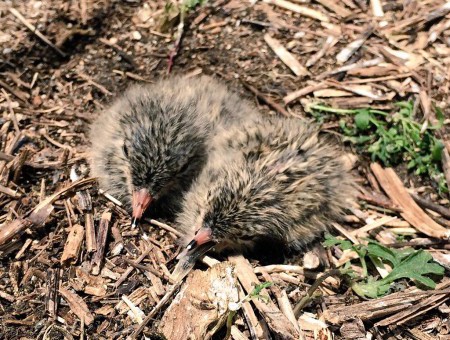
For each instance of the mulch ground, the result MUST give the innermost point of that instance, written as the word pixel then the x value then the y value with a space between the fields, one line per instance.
pixel 62 62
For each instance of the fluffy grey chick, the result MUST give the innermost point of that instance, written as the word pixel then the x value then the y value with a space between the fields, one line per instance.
pixel 152 142
pixel 271 181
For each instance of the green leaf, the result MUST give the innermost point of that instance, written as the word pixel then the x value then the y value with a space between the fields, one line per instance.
pixel 362 120
pixel 258 288
pixel 414 266
pixel 331 241
pixel 436 153
pixel 393 138
pixel 376 249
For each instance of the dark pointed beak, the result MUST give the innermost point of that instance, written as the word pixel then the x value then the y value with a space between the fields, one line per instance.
pixel 200 244
pixel 141 201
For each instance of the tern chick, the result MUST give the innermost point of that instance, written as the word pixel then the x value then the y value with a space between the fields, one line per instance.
pixel 152 142
pixel 273 181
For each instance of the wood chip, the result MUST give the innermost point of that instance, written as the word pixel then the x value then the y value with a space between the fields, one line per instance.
pixel 302 10
pixel 412 213
pixel 77 305
pixel 285 56
pixel 103 230
pixel 351 48
pixel 73 244
pixel 276 321
pixel 202 305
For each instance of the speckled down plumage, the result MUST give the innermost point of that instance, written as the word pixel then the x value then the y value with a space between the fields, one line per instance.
pixel 157 137
pixel 284 184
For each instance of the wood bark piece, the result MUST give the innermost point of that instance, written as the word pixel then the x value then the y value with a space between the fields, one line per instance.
pixel 91 238
pixel 101 242
pixel 285 56
pixel 353 329
pixel 38 215
pixel 374 309
pixel 85 204
pixel 420 307
pixel 351 48
pixel 51 299
pixel 202 303
pixel 77 305
pixel 412 213
pixel 283 302
pixel 275 319
pixel 73 244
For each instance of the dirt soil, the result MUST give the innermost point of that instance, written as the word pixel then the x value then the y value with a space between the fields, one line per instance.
pixel 51 90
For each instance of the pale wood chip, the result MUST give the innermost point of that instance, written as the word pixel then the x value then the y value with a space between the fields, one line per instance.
pixel 351 48
pixel 302 10
pixel 73 244
pixel 285 56
pixel 276 321
pixel 377 9
pixel 77 305
pixel 375 224
pixel 290 97
pixel 412 213
pixel 202 304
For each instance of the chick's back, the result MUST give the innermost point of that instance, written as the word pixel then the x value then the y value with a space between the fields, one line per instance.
pixel 276 180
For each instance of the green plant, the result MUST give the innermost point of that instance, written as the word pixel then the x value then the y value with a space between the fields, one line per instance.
pixel 188 5
pixel 406 264
pixel 393 139
pixel 254 294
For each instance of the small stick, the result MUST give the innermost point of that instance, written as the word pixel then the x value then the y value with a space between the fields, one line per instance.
pixel 33 29
pixel 130 269
pixel 302 10
pixel 43 166
pixel 426 204
pixel 145 268
pixel 51 301
pixel 11 112
pixel 101 242
pixel 275 106
pixel 101 88
pixel 351 48
pixel 155 310
pixel 9 192
pixel 285 56
pixel 379 202
pixel 165 227
pixel 290 97
pixel 309 294
pixel 177 44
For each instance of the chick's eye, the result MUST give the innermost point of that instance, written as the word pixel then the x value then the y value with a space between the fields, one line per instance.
pixel 125 150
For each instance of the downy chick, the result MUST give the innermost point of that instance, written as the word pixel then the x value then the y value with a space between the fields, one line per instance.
pixel 272 181
pixel 152 142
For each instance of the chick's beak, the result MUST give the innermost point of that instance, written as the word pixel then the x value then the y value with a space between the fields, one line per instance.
pixel 141 201
pixel 200 244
